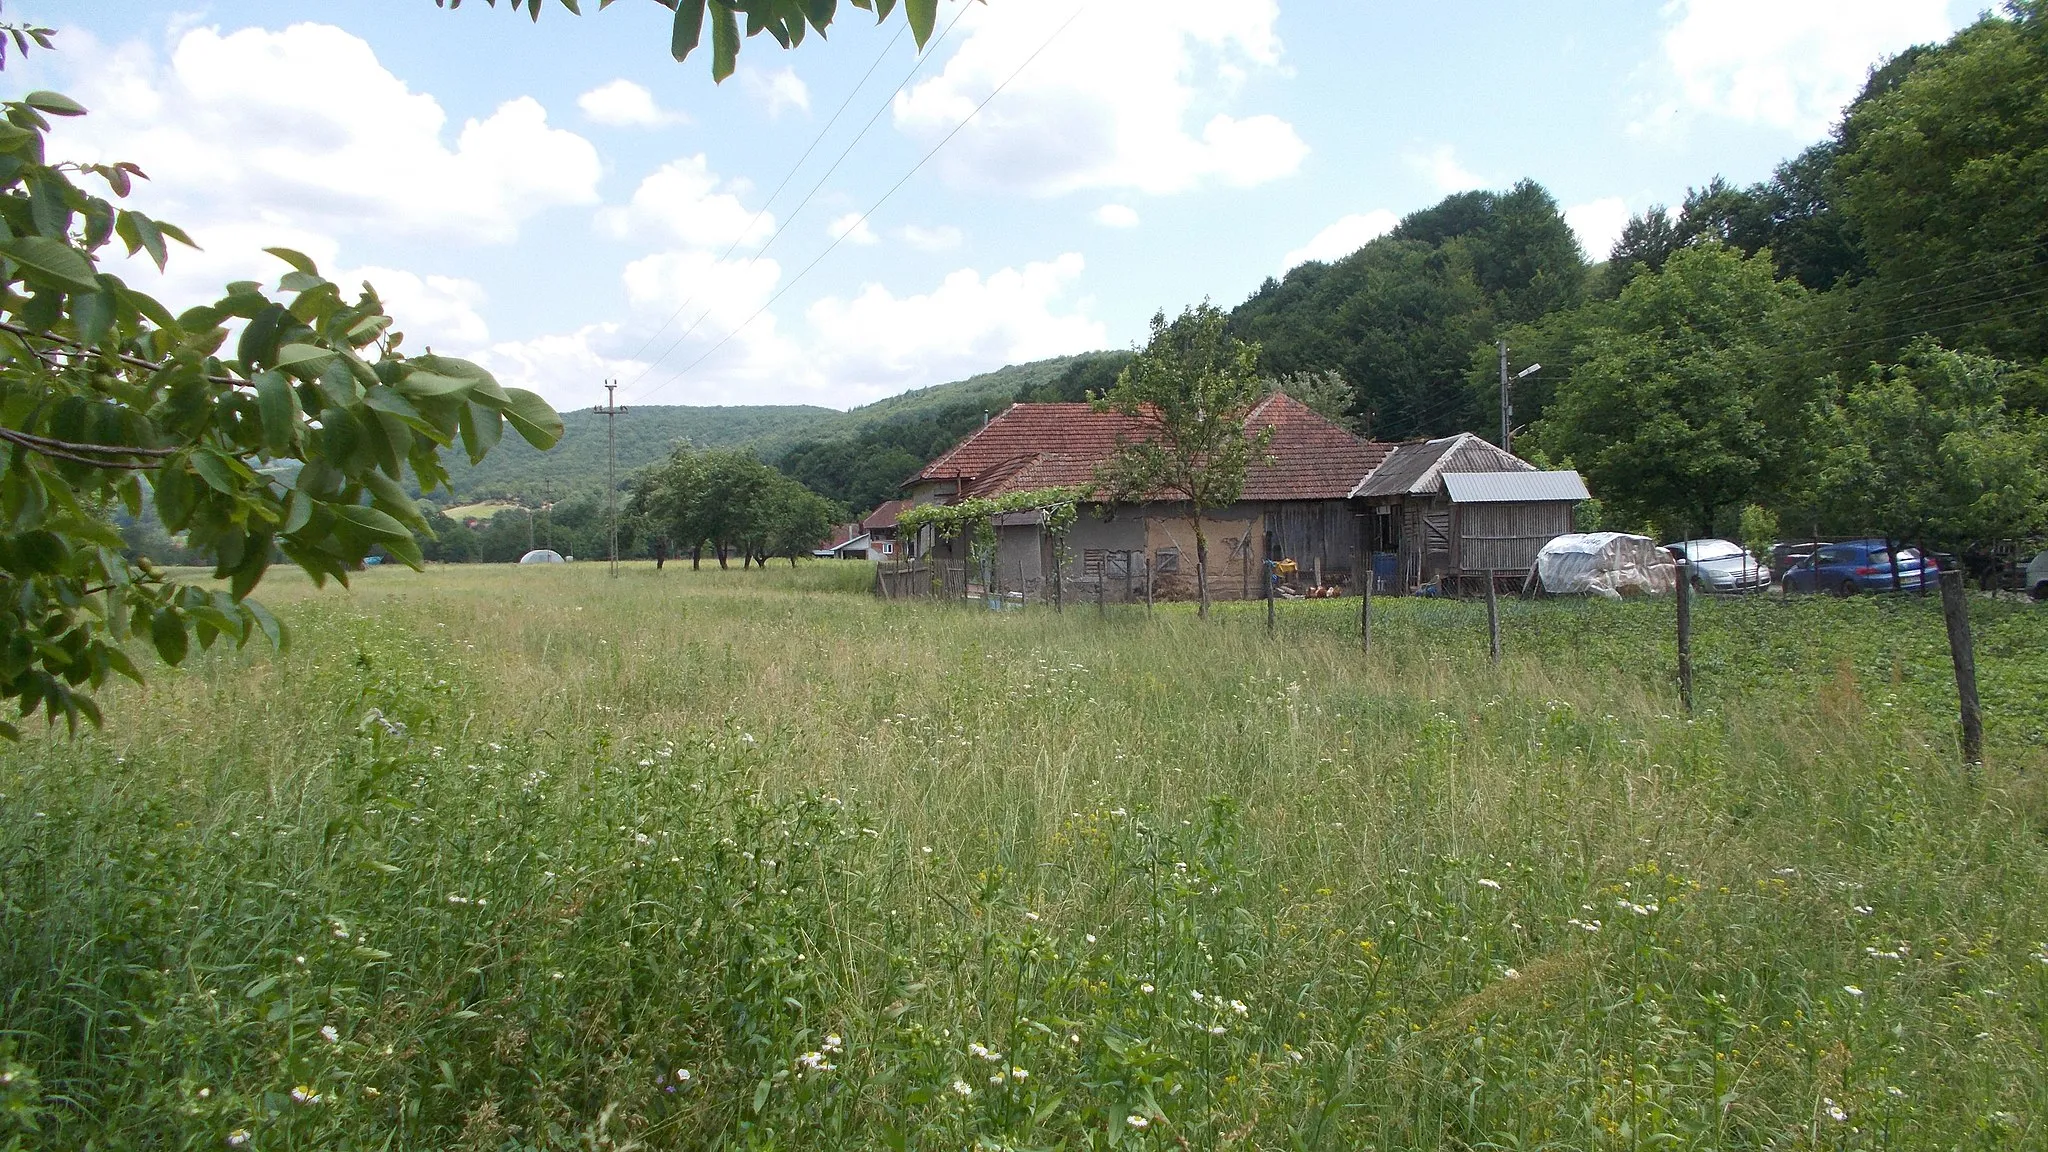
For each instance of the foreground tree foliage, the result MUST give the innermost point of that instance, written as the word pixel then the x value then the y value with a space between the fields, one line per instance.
pixel 295 442
pixel 785 20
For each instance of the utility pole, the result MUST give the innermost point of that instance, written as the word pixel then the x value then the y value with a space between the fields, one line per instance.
pixel 1507 407
pixel 1507 402
pixel 610 410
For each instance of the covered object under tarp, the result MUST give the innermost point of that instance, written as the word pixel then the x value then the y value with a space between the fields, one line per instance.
pixel 1611 564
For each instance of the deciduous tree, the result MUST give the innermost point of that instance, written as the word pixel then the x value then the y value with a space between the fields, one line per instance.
pixel 1191 389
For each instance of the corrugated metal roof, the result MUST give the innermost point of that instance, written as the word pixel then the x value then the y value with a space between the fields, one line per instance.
pixel 1513 487
pixel 1402 467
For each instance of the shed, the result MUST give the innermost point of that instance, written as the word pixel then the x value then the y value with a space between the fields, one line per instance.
pixel 1446 511
pixel 1501 520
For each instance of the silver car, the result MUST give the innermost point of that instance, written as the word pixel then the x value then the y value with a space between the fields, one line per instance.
pixel 1722 566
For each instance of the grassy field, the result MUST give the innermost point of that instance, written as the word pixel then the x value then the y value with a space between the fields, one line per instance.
pixel 504 859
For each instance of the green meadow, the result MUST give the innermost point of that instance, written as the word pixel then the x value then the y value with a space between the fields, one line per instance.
pixel 496 858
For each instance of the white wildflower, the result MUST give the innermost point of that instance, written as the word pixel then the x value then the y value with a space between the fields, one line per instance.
pixel 238 1137
pixel 1835 1111
pixel 1238 1007
pixel 330 1034
pixel 1216 1029
pixel 833 1043
pixel 1031 916
pixel 305 1095
pixel 1145 988
pixel 1853 990
pixel 1486 883
pixel 961 1087
pixel 1090 938
pixel 1020 1074
pixel 1511 973
pixel 682 1075
pixel 1137 1121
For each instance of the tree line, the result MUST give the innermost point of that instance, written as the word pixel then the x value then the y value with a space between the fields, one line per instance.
pixel 727 502
pixel 1856 344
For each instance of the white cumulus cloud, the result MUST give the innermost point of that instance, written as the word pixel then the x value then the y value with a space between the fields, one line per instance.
pixel 307 128
pixel 1598 224
pixel 1341 239
pixel 1787 66
pixel 1111 103
pixel 1441 167
pixel 877 343
pixel 685 201
pixel 624 104
pixel 1116 216
pixel 937 238
pixel 853 229
pixel 776 91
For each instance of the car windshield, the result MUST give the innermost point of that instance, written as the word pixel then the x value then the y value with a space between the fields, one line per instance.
pixel 1711 550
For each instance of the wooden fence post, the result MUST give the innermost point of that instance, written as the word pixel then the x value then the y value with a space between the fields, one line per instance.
pixel 1955 612
pixel 1492 618
pixel 1685 634
pixel 1269 571
pixel 1101 582
pixel 1150 577
pixel 1365 610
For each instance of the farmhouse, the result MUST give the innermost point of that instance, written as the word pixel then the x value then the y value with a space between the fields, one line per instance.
pixel 1447 512
pixel 1295 505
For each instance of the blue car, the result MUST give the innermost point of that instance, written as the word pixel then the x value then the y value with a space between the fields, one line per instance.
pixel 1859 566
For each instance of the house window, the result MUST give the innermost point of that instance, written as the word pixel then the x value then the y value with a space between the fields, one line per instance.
pixel 1166 560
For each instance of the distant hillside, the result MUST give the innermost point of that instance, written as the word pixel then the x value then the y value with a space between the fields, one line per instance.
pixel 516 471
pixel 930 419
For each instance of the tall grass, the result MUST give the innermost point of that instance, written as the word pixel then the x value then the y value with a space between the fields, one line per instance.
pixel 492 857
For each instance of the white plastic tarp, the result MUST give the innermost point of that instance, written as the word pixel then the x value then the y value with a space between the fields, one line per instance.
pixel 1610 564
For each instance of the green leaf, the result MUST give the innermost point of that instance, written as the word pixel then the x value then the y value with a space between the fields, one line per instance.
pixel 533 418
pixel 265 623
pixel 688 28
pixel 392 498
pixel 167 632
pixel 481 430
pixel 299 261
pixel 259 336
pixel 300 282
pixel 303 360
pixel 431 385
pixel 922 14
pixel 213 468
pixel 725 41
pixel 55 103
pixel 372 523
pixel 298 510
pixel 279 406
pixel 37 552
pixel 52 262
pixel 93 313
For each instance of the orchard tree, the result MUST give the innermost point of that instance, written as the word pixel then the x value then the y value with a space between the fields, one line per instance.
pixel 1927 448
pixel 1674 407
pixel 1191 389
pixel 794 519
pixel 297 440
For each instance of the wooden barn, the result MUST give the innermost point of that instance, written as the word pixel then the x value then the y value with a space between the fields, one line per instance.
pixel 1444 513
pixel 1295 505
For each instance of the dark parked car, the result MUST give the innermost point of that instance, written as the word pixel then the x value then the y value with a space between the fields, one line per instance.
pixel 1859 566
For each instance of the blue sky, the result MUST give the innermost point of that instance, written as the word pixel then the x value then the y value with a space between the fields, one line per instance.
pixel 567 205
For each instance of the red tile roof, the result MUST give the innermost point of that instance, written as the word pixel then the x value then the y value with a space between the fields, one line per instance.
pixel 1040 445
pixel 884 516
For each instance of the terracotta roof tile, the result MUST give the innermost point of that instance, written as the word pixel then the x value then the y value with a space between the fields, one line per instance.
pixel 1040 445
pixel 885 515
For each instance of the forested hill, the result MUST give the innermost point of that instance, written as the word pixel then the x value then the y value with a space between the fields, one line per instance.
pixel 843 455
pixel 516 471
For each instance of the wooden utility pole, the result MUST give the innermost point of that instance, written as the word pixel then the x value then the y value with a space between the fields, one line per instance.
pixel 610 410
pixel 1365 609
pixel 1506 409
pixel 1685 634
pixel 1955 612
pixel 1492 618
pixel 1270 581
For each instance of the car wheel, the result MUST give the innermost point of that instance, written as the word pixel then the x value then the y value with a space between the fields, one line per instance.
pixel 2041 590
pixel 1846 588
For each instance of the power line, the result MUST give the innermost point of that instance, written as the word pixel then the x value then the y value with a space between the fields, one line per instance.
pixel 786 178
pixel 686 369
pixel 930 52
